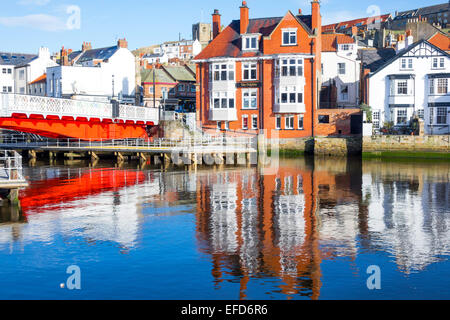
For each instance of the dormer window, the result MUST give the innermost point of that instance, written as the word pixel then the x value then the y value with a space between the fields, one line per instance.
pixel 250 42
pixel 289 37
pixel 346 47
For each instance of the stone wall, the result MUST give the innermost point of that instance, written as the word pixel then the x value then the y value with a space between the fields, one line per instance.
pixel 335 146
pixel 435 144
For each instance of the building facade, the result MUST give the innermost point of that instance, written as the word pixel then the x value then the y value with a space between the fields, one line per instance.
pixel 8 62
pixel 412 84
pixel 340 71
pixel 261 74
pixel 95 74
pixel 28 72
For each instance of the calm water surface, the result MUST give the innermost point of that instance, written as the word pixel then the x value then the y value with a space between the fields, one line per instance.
pixel 309 230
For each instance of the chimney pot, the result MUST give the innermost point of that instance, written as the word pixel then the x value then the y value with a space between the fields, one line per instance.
pixel 216 23
pixel 300 12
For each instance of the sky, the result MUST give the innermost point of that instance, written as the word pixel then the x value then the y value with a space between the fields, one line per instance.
pixel 26 25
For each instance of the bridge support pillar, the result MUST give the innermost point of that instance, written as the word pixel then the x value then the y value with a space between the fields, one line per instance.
pixel 142 157
pixel 32 154
pixel 94 156
pixel 119 156
pixel 13 196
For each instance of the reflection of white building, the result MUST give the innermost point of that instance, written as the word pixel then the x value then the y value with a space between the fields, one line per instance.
pixel 413 226
pixel 223 216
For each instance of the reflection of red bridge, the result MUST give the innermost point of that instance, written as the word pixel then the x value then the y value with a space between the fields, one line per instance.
pixel 65 118
pixel 60 191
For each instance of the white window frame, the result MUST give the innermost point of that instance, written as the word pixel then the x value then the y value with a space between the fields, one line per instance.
pixel 244 126
pixel 442 86
pixel 289 123
pixel 278 122
pixel 343 96
pixel 254 125
pixel 250 98
pixel 402 87
pixel 292 37
pixel 397 112
pixel 340 64
pixel 289 67
pixel 441 113
pixel 295 92
pixel 222 100
pixel 224 71
pixel 376 119
pixel 300 120
pixel 249 67
pixel 250 43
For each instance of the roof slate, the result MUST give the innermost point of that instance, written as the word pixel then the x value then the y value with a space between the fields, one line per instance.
pixel 374 59
pixel 15 59
pixel 98 54
pixel 160 76
pixel 331 40
pixel 179 73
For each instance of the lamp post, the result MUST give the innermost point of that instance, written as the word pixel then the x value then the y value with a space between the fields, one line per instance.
pixel 112 86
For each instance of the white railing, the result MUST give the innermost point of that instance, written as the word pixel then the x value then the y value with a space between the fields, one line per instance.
pixel 45 106
pixel 11 163
pixel 211 142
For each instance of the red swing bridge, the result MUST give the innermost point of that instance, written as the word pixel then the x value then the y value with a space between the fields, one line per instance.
pixel 68 118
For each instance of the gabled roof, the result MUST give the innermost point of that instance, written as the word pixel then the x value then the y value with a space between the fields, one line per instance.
pixel 228 44
pixel 373 59
pixel 404 51
pixel 422 11
pixel 441 41
pixel 15 59
pixel 179 73
pixel 356 22
pixel 42 78
pixel 98 54
pixel 160 76
pixel 330 41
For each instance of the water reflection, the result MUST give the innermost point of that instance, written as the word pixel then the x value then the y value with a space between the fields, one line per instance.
pixel 253 225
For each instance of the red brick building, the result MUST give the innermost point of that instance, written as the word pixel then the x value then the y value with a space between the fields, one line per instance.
pixel 261 74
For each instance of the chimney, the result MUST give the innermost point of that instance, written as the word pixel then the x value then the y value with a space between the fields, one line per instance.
pixel 316 19
pixel 354 31
pixel 400 42
pixel 64 57
pixel 86 46
pixel 244 17
pixel 122 43
pixel 216 23
pixel 409 38
pixel 299 12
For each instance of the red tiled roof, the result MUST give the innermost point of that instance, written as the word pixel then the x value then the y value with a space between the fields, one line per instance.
pixel 351 23
pixel 331 40
pixel 441 41
pixel 42 78
pixel 228 44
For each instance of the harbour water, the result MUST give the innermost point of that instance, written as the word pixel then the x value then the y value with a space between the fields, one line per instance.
pixel 308 230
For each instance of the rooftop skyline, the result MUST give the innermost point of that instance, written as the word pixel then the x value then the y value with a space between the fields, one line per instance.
pixel 29 24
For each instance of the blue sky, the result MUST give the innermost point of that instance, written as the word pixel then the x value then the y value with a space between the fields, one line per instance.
pixel 25 25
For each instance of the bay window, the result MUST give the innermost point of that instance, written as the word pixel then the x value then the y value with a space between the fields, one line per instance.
pixel 441 116
pixel 223 72
pixel 401 116
pixel 290 95
pixel 442 85
pixel 402 87
pixel 222 100
pixel 289 67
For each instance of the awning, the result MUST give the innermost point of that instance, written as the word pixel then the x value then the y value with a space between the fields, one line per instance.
pixel 401 76
pixel 438 75
pixel 401 106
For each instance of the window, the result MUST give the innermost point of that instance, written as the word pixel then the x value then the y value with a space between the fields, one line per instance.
pixel 245 122
pixel 438 63
pixel 249 99
pixel 219 125
pixel 164 93
pixel 431 86
pixel 441 116
pixel 289 67
pixel 406 63
pixel 254 122
pixel 376 119
pixel 150 90
pixel 249 71
pixel 442 86
pixel 401 116
pixel 223 72
pixel 346 47
pixel 441 63
pixel 21 75
pixel 9 89
pixel 402 87
pixel 4 70
pixel 341 68
pixel 289 95
pixel 250 43
pixel 278 122
pixel 300 122
pixel 289 37
pixel 227 125
pixel 289 122
pixel 9 71
pixel 222 100
pixel 344 93
pixel 181 88
pixel 193 88
pixel 324 119
pixel 431 115
pixel 421 114
pixel 5 89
